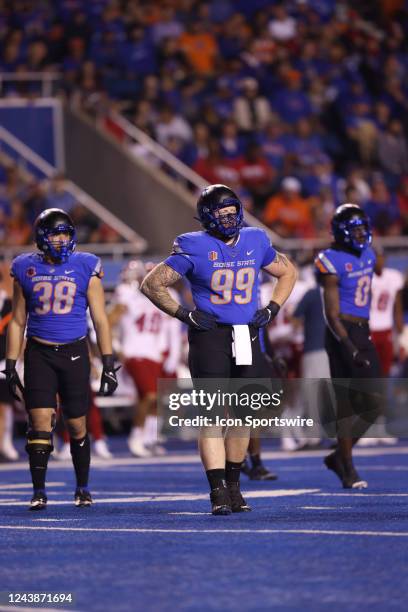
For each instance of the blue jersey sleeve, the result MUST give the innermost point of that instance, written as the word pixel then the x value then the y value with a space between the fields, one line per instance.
pixel 325 264
pixel 17 268
pixel 181 255
pixel 269 252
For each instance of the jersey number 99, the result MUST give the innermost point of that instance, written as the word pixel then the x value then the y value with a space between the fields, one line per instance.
pixel 59 298
pixel 223 281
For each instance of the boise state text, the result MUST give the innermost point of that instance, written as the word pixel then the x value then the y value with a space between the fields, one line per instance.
pixel 355 273
pixel 55 294
pixel 223 278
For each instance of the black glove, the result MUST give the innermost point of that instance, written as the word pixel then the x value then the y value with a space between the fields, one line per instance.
pixel 265 315
pixel 355 354
pixel 13 379
pixel 109 381
pixel 196 318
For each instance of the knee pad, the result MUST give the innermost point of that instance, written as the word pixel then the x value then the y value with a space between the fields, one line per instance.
pixel 39 442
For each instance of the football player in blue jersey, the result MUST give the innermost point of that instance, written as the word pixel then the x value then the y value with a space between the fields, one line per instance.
pixel 345 272
pixel 222 264
pixel 52 291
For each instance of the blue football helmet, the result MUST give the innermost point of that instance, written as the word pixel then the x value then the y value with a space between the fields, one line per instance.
pixel 50 222
pixel 351 227
pixel 214 198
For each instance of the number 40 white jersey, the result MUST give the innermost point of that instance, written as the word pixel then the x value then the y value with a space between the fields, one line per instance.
pixel 384 289
pixel 141 326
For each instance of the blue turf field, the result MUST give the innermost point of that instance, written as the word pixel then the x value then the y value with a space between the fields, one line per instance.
pixel 149 542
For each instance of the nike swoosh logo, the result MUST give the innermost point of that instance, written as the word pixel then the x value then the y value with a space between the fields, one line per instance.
pixel 82 443
pixel 249 252
pixel 68 271
pixel 254 338
pixel 75 358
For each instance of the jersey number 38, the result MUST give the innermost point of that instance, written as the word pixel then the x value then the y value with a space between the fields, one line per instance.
pixel 59 298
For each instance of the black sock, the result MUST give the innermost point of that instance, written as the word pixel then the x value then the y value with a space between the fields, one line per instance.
pixel 232 471
pixel 256 460
pixel 38 469
pixel 216 478
pixel 81 458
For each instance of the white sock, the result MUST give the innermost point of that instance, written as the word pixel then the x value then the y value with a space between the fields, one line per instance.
pixel 150 429
pixel 136 433
pixel 8 427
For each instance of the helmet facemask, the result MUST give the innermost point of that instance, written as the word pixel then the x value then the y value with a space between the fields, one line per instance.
pixel 226 224
pixel 60 251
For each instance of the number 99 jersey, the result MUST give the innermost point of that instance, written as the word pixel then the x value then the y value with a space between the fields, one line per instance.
pixel 56 294
pixel 223 278
pixel 355 273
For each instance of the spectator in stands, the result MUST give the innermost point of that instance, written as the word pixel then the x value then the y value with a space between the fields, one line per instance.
pixel 392 152
pixel 169 124
pixel 282 26
pixel 382 208
pixel 287 212
pixel 275 142
pixel 256 174
pixel 18 229
pixel 251 110
pixel 232 143
pixel 290 102
pixel 215 168
pixel 200 48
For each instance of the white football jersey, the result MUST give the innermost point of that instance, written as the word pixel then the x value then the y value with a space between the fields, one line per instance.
pixel 141 326
pixel 281 328
pixel 384 289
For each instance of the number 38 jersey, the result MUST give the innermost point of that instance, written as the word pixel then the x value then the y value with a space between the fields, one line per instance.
pixel 55 294
pixel 223 278
pixel 355 273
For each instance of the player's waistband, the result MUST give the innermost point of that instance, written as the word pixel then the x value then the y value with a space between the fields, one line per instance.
pixel 55 347
pixel 360 321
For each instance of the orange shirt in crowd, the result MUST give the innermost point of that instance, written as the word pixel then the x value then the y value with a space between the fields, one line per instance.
pixel 292 216
pixel 200 50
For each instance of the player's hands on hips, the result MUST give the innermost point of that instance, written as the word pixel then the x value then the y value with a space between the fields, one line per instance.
pixel 196 318
pixel 109 382
pixel 263 316
pixel 13 379
pixel 358 359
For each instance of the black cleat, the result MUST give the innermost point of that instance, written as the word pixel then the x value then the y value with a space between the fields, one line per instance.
pixel 238 503
pixel 333 462
pixel 38 501
pixel 351 479
pixel 220 501
pixel 260 472
pixel 82 498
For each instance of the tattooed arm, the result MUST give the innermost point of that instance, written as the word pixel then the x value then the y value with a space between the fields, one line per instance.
pixel 154 286
pixel 286 273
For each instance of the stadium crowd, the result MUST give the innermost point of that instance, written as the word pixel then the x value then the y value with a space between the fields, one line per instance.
pixel 297 105
pixel 23 198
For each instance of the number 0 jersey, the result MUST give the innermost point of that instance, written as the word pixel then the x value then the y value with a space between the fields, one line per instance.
pixel 355 273
pixel 55 294
pixel 223 278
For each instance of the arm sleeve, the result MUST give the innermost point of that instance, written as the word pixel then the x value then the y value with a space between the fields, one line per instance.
pixel 180 257
pixel 269 252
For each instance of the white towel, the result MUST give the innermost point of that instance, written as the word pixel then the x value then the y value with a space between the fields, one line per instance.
pixel 241 345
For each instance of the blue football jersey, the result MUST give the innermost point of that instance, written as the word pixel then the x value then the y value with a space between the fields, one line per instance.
pixel 223 278
pixel 354 278
pixel 55 294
